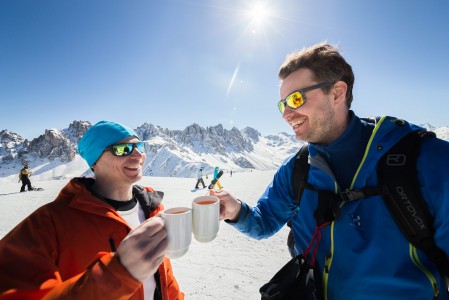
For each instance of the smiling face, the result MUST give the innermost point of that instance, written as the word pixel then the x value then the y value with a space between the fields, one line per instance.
pixel 322 118
pixel 120 171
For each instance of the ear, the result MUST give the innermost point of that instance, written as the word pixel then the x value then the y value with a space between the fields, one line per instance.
pixel 339 90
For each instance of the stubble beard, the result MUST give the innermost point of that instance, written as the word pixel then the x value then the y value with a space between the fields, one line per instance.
pixel 320 126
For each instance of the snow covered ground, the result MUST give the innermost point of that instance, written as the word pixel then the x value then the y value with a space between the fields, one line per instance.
pixel 233 266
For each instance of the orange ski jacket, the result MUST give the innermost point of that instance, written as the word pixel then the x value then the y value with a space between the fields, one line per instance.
pixel 65 249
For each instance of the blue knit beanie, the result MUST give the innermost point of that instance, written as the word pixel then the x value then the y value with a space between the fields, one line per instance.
pixel 99 136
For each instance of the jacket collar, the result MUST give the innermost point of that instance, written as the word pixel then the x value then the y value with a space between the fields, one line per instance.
pixel 80 195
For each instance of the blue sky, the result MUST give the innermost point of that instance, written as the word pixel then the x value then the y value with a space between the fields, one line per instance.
pixel 173 63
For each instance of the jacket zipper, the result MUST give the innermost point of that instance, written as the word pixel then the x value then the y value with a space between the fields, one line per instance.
pixel 328 261
pixel 417 262
pixel 329 256
pixel 112 245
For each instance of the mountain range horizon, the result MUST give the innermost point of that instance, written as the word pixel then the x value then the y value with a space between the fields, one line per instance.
pixel 170 153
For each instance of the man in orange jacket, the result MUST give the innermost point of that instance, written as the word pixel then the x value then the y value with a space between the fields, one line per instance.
pixel 98 239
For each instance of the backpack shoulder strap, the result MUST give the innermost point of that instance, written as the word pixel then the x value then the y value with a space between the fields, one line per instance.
pixel 299 179
pixel 148 200
pixel 399 182
pixel 300 172
pixel 327 209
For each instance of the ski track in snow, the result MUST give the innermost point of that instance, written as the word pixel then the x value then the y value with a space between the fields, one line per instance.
pixel 233 266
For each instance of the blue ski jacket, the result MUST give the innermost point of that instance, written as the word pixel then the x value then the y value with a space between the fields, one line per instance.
pixel 362 254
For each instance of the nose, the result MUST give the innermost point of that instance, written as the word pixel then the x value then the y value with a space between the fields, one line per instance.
pixel 287 112
pixel 136 152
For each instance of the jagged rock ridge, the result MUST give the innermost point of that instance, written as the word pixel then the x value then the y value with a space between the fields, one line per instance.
pixel 169 152
pixel 177 153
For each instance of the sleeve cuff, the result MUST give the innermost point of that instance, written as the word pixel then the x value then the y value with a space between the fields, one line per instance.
pixel 244 212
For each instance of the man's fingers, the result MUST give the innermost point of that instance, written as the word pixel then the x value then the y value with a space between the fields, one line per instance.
pixel 146 239
pixel 150 226
pixel 157 252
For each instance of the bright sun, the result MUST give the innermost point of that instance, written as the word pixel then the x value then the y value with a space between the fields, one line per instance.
pixel 258 13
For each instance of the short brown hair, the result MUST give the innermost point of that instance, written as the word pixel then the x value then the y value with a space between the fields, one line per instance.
pixel 325 62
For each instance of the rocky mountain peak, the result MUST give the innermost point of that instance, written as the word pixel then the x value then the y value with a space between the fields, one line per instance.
pixel 9 138
pixel 251 133
pixel 53 144
pixel 169 152
pixel 77 129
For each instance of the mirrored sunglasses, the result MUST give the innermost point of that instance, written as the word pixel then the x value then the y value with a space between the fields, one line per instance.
pixel 126 148
pixel 297 98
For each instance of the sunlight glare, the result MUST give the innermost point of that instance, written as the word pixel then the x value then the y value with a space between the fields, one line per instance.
pixel 258 12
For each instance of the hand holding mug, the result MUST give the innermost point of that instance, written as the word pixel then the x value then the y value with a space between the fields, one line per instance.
pixel 143 249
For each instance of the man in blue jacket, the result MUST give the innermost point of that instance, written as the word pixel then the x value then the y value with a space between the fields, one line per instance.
pixel 362 254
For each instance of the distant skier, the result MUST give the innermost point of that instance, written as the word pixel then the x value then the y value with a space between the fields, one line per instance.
pixel 24 177
pixel 200 179
pixel 215 182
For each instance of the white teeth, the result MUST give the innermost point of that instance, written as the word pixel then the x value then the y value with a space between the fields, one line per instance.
pixel 293 124
pixel 133 168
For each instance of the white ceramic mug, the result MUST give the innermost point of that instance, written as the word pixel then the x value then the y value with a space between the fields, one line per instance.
pixel 206 218
pixel 178 222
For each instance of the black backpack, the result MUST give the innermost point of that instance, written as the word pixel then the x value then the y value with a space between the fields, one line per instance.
pixel 398 185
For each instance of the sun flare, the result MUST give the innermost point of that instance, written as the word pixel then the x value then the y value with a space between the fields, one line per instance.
pixel 259 15
pixel 258 12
